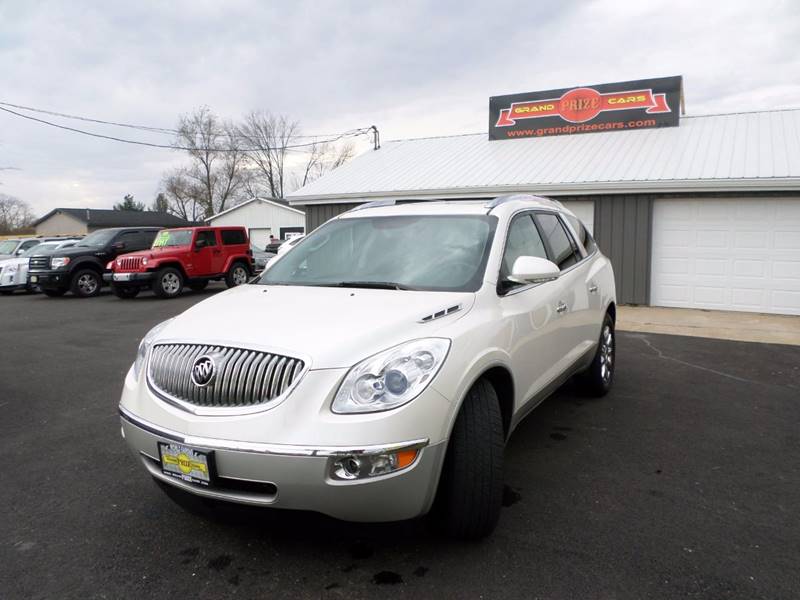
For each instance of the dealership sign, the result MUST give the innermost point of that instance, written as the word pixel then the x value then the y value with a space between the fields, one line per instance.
pixel 606 107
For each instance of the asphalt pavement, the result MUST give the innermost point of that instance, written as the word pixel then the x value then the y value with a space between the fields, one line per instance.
pixel 684 482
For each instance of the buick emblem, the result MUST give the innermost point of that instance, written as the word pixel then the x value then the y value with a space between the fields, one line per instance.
pixel 203 371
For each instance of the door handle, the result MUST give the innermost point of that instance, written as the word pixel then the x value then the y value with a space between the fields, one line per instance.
pixel 592 288
pixel 561 307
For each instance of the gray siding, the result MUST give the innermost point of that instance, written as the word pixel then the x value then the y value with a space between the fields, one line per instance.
pixel 317 214
pixel 623 228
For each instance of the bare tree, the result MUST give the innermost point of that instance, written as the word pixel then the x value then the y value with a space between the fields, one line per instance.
pixel 267 138
pixel 15 214
pixel 181 195
pixel 323 158
pixel 215 175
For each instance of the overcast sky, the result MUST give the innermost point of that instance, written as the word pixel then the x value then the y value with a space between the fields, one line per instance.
pixel 411 68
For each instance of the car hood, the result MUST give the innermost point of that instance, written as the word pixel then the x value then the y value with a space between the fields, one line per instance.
pixel 330 327
pixel 156 252
pixel 71 251
pixel 4 261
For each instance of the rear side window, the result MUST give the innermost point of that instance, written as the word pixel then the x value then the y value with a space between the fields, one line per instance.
pixel 561 250
pixel 233 236
pixel 209 236
pixel 584 237
pixel 133 240
pixel 149 237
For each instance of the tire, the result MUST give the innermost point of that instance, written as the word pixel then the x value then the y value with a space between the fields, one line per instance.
pixel 86 283
pixel 54 293
pixel 125 292
pixel 599 377
pixel 198 286
pixel 238 274
pixel 168 283
pixel 470 492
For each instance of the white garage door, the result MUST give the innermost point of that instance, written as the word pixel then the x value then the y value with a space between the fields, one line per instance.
pixel 584 210
pixel 729 254
pixel 259 237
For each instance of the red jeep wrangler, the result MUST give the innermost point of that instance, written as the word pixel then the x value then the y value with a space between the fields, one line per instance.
pixel 190 256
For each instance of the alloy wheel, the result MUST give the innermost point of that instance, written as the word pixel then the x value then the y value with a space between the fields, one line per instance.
pixel 87 284
pixel 170 283
pixel 239 276
pixel 606 354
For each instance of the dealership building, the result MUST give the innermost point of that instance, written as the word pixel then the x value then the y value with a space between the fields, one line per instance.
pixel 702 214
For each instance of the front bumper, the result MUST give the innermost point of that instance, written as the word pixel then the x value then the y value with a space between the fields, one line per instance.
pixel 128 278
pixel 297 477
pixel 49 279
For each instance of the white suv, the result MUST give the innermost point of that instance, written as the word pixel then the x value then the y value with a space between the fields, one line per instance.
pixel 376 371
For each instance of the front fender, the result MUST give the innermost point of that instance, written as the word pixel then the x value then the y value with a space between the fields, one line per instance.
pixel 455 383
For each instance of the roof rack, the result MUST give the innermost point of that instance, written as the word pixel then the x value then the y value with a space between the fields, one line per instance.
pixel 388 202
pixel 492 204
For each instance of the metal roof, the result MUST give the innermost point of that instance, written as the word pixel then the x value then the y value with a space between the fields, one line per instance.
pixel 730 152
pixel 118 218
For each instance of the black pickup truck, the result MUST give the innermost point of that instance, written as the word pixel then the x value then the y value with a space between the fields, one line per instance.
pixel 80 269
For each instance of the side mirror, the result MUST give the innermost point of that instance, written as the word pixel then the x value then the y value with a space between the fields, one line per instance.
pixel 19 252
pixel 199 244
pixel 118 245
pixel 532 269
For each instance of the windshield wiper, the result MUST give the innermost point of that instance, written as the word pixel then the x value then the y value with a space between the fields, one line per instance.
pixel 376 285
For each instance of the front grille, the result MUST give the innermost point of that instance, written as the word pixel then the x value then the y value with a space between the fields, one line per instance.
pixel 241 377
pixel 129 263
pixel 41 263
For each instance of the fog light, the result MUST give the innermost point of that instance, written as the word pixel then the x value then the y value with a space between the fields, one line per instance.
pixel 364 466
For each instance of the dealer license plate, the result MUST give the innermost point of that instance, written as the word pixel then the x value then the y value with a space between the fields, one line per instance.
pixel 185 463
pixel 122 277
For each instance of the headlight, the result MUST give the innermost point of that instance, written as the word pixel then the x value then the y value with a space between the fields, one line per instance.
pixel 59 261
pixel 392 377
pixel 144 347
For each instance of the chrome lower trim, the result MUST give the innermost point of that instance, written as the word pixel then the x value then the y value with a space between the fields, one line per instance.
pixel 268 449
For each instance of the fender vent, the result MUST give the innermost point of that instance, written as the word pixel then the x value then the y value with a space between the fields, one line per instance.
pixel 442 313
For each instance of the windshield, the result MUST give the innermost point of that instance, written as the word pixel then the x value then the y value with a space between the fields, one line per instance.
pixel 38 248
pixel 180 237
pixel 430 252
pixel 8 246
pixel 98 239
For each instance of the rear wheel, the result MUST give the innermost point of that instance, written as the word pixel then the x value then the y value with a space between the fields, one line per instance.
pixel 238 274
pixel 54 293
pixel 86 283
pixel 599 377
pixel 124 292
pixel 198 286
pixel 168 283
pixel 470 491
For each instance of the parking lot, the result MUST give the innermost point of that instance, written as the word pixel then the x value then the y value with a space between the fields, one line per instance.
pixel 683 482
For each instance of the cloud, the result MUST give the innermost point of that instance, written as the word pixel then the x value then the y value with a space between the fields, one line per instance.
pixel 411 68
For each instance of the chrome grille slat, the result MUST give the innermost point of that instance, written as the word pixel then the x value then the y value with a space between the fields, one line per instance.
pixel 243 377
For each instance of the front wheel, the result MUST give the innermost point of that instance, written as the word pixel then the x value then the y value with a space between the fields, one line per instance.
pixel 599 377
pixel 236 275
pixel 470 492
pixel 168 283
pixel 86 283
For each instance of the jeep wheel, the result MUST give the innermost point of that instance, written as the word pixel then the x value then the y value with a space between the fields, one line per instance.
pixel 599 377
pixel 86 283
pixel 471 487
pixel 168 283
pixel 53 293
pixel 198 286
pixel 236 275
pixel 125 292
